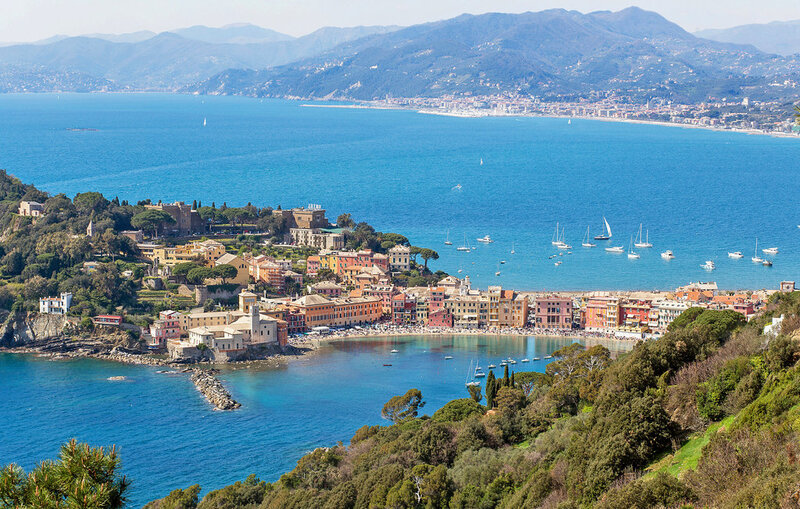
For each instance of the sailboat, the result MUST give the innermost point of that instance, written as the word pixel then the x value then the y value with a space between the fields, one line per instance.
pixel 631 253
pixel 498 270
pixel 639 242
pixel 447 239
pixel 465 247
pixel 481 161
pixel 204 121
pixel 586 242
pixel 560 243
pixel 756 258
pixel 512 248
pixel 556 240
pixel 606 235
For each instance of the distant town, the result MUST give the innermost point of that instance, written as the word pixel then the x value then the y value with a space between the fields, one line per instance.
pixel 756 117
pixel 237 302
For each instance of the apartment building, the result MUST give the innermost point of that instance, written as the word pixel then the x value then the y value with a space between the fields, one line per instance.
pixel 553 312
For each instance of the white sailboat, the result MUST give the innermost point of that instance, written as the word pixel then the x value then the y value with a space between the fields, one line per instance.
pixel 631 253
pixel 770 251
pixel 615 249
pixel 481 161
pixel 586 242
pixel 643 244
pixel 512 248
pixel 447 239
pixel 205 121
pixel 756 258
pixel 465 247
pixel 606 235
pixel 561 244
pixel 555 241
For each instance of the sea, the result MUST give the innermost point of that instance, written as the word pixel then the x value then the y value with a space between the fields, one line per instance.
pixel 698 193
pixel 169 437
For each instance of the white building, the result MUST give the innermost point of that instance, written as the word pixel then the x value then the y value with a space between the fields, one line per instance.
pixel 669 310
pixel 55 305
pixel 400 258
pixel 250 329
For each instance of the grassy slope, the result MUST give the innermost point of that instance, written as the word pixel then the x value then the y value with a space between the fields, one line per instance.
pixel 688 455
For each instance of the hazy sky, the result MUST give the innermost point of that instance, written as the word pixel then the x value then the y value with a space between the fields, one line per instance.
pixel 27 20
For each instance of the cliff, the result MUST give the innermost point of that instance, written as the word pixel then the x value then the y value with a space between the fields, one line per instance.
pixel 21 329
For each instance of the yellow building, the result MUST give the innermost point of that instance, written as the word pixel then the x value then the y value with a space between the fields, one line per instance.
pixel 207 250
pixel 507 308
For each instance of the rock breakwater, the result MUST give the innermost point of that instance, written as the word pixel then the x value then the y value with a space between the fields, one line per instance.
pixel 216 394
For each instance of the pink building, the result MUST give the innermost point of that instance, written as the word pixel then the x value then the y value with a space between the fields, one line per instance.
pixel 435 300
pixel 553 312
pixel 168 326
pixel 440 318
pixel 404 309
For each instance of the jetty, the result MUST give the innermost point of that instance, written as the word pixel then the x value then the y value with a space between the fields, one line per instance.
pixel 213 390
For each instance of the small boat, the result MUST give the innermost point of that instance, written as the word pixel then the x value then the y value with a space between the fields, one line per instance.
pixel 586 242
pixel 615 249
pixel 485 239
pixel 766 263
pixel 116 378
pixel 394 351
pixel 504 363
pixel 736 255
pixel 491 366
pixel 386 365
pixel 709 265
pixel 502 262
pixel 525 360
pixel 460 271
pixel 548 356
pixel 447 239
pixel 205 122
pixel 606 235
pixel 632 255
pixel 457 187
pixel 481 161
pixel 480 374
pixel 473 384
pixel 448 357
pixel 465 247
pixel 770 251
pixel 537 359
pixel 512 248
pixel 512 361
pixel 756 258
pixel 667 255
pixel 557 263
pixel 552 256
pixel 643 244
pixel 497 273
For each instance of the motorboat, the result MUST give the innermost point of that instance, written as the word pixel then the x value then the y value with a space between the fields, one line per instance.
pixel 394 351
pixel 480 374
pixel 485 239
pixel 491 366
pixel 512 361
pixel 525 360
pixel 736 255
pixel 766 263
pixel 536 359
pixel 667 255
pixel 643 243
pixel 557 263
pixel 606 235
pixel 502 262
pixel 709 265
pixel 448 357
pixel 770 251
pixel 615 249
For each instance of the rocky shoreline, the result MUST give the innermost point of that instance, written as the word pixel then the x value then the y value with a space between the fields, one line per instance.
pixel 213 390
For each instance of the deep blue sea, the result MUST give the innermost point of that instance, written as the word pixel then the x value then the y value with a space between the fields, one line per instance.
pixel 169 437
pixel 699 193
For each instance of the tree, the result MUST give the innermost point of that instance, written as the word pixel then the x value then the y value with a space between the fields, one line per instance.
pixel 177 499
pixel 90 202
pixel 345 221
pixel 15 263
pixel 491 390
pixel 506 379
pixel 475 393
pixel 198 275
pixel 151 220
pixel 415 251
pixel 401 407
pixel 225 271
pixel 83 476
pixel 428 254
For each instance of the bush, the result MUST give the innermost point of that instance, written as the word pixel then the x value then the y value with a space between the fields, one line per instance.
pixel 458 410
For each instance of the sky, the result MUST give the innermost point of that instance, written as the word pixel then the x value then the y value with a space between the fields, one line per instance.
pixel 30 20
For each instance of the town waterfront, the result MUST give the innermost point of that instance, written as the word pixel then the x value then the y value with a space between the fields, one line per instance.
pixel 398 170
pixel 170 437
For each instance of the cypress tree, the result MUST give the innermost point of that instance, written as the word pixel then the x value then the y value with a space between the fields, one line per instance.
pixel 194 205
pixel 490 390
pixel 513 384
pixel 199 204
pixel 506 380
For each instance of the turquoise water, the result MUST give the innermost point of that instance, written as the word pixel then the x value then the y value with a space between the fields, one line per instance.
pixel 169 437
pixel 700 193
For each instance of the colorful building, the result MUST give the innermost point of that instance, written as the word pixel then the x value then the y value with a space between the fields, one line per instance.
pixel 553 312
pixel 602 314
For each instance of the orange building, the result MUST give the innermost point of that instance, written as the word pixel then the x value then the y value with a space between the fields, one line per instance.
pixel 602 314
pixel 320 311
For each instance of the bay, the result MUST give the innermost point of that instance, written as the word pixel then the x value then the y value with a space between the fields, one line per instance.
pixel 700 193
pixel 169 437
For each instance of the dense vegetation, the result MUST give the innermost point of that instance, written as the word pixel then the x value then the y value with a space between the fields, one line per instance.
pixel 706 416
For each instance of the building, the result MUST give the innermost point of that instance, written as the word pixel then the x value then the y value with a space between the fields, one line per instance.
pixel 787 286
pixel 320 311
pixel 266 269
pixel 317 238
pixel 507 308
pixel 602 314
pixel 305 218
pixel 468 311
pixel 114 321
pixel 327 288
pixel 404 309
pixel 440 318
pixel 135 235
pixel 553 312
pixel 30 209
pixel 669 310
pixel 385 292
pixel 635 314
pixel 206 251
pixel 55 305
pixel 166 328
pixel 251 329
pixel 242 268
pixel 187 220
pixel 400 258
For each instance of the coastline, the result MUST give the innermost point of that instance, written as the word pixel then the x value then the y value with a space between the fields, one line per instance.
pixel 488 114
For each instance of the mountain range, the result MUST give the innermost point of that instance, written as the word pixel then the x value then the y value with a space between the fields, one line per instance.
pixel 550 53
pixel 556 52
pixel 781 37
